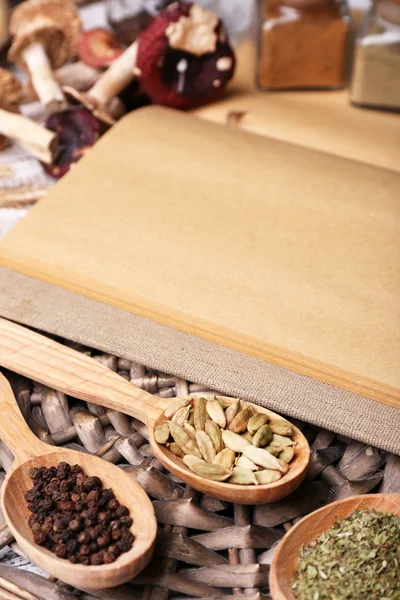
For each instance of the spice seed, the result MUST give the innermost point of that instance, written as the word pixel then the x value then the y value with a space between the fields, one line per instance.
pixel 242 476
pixel 267 476
pixel 216 413
pixel 208 471
pixel 206 446
pixel 226 458
pixel 262 436
pixel 183 439
pixel 75 518
pixel 200 414
pixel 257 421
pixel 161 433
pixel 240 421
pixel 215 434
pixel 287 454
pixel 262 458
pixel 234 441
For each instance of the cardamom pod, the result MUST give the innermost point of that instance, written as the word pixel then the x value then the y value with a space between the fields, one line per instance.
pixel 240 421
pixel 206 446
pixel 281 426
pixel 222 402
pixel 175 449
pixel 247 436
pixel 208 471
pixel 262 458
pixel 183 439
pixel 161 433
pixel 257 421
pixel 191 430
pixel 191 417
pixel 242 476
pixel 246 463
pixel 171 410
pixel 226 458
pixel 234 442
pixel 215 434
pixel 287 454
pixel 284 466
pixel 216 413
pixel 181 415
pixel 262 436
pixel 281 440
pixel 200 414
pixel 267 476
pixel 274 450
pixel 232 411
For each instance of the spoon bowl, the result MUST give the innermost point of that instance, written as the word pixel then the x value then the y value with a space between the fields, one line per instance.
pixel 240 494
pixel 57 366
pixel 30 452
pixel 285 560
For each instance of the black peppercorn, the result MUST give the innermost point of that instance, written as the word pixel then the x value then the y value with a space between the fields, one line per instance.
pixel 74 518
pixel 122 511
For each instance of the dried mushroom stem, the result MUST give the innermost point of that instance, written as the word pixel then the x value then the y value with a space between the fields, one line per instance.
pixel 43 80
pixel 116 78
pixel 35 138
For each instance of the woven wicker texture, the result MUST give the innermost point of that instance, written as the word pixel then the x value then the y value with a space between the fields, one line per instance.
pixel 205 547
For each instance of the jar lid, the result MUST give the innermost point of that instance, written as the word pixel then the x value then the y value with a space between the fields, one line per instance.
pixel 389 10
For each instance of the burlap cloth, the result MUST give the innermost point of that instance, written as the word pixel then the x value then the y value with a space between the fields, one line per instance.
pixel 112 330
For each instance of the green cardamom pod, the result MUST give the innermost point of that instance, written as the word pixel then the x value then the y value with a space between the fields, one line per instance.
pixel 171 410
pixel 206 446
pixel 242 477
pixel 176 450
pixel 281 440
pixel 232 411
pixel 191 430
pixel 240 421
pixel 246 463
pixel 184 440
pixel 200 414
pixel 215 434
pixel 216 412
pixel 274 450
pixel 234 441
pixel 262 436
pixel 281 426
pixel 226 458
pixel 267 476
pixel 263 458
pixel 287 454
pixel 257 421
pixel 247 436
pixel 208 471
pixel 181 415
pixel 161 433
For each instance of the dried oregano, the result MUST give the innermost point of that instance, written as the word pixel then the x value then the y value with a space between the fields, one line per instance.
pixel 356 559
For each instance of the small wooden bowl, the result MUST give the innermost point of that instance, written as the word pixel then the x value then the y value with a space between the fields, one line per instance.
pixel 285 560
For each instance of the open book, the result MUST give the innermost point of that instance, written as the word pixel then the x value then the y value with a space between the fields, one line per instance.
pixel 281 252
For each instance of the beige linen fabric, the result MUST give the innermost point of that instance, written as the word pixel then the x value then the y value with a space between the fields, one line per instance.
pixel 57 311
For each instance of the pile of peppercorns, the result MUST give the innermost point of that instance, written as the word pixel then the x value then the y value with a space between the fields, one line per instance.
pixel 75 518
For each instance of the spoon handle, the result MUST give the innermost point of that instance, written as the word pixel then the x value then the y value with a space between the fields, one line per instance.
pixel 14 431
pixel 50 363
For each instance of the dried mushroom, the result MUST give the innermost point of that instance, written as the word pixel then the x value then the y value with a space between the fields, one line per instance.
pixel 38 140
pixel 182 59
pixel 45 36
pixel 98 48
pixel 76 130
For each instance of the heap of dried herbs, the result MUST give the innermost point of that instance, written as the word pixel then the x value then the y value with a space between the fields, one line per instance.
pixel 357 558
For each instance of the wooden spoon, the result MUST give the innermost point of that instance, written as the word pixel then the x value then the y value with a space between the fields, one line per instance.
pixel 284 562
pixel 30 452
pixel 80 376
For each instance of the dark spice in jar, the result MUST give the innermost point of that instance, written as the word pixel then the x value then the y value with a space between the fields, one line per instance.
pixel 74 517
pixel 303 44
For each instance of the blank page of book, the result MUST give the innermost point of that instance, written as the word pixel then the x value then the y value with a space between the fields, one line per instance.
pixel 281 252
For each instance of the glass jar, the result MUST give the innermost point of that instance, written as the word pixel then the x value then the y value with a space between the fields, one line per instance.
pixel 303 44
pixel 376 71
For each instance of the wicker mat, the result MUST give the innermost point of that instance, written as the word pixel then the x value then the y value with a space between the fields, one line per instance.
pixel 205 548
